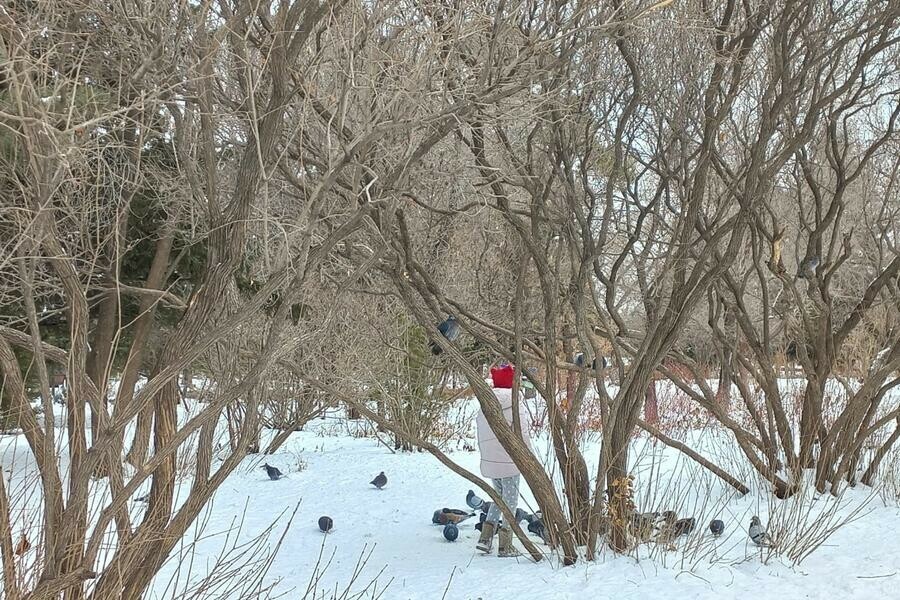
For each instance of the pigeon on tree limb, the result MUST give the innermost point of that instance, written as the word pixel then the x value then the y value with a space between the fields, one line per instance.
pixel 808 267
pixel 380 480
pixel 449 328
pixel 758 534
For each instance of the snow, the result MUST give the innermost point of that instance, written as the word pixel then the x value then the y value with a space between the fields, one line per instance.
pixel 329 465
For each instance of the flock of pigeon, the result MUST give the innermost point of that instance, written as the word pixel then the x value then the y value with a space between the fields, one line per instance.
pixel 663 527
pixel 326 523
pixel 450 518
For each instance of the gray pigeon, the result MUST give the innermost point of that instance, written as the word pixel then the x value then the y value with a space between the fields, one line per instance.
pixel 473 501
pixel 716 527
pixel 273 472
pixel 450 330
pixel 758 533
pixel 380 481
pixel 808 266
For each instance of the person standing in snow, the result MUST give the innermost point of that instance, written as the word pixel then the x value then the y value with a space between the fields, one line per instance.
pixel 497 465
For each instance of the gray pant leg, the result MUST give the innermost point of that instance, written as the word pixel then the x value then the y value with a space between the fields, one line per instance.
pixel 508 488
pixel 493 516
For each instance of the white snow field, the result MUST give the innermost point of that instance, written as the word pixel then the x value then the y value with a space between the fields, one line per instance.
pixel 329 466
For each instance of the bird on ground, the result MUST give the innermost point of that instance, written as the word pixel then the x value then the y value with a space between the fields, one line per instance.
pixel 325 524
pixel 684 526
pixel 450 515
pixel 807 267
pixel 273 472
pixel 672 527
pixel 380 480
pixel 758 533
pixel 473 501
pixel 451 532
pixel 449 328
pixel 716 527
pixel 536 527
pixel 642 524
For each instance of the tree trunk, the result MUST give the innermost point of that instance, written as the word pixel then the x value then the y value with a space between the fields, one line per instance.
pixel 142 327
pixel 619 504
pixel 651 406
pixel 98 361
pixel 869 476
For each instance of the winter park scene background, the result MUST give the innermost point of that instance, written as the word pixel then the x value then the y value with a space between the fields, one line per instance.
pixel 337 299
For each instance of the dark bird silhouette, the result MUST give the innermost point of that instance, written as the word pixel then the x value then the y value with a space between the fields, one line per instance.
pixel 537 528
pixel 716 527
pixel 451 532
pixel 521 515
pixel 482 518
pixel 600 361
pixel 758 533
pixel 684 526
pixel 449 328
pixel 325 524
pixel 807 267
pixel 380 481
pixel 273 472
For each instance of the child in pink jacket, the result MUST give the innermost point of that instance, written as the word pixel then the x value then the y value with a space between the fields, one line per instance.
pixel 499 467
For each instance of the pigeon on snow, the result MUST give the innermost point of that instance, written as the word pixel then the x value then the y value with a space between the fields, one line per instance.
pixel 473 501
pixel 273 472
pixel 758 533
pixel 450 515
pixel 716 527
pixel 380 481
pixel 325 524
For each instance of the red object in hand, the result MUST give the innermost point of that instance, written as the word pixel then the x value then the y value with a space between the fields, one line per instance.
pixel 503 376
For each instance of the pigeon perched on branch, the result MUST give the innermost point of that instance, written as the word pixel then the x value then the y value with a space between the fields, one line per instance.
pixel 273 472
pixel 758 533
pixel 449 328
pixel 380 481
pixel 807 267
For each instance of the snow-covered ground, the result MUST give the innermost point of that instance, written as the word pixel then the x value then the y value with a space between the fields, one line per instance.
pixel 328 468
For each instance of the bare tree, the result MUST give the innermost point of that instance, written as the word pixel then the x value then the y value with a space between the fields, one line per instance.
pixel 622 204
